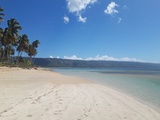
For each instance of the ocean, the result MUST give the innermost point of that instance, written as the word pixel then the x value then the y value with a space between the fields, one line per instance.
pixel 142 84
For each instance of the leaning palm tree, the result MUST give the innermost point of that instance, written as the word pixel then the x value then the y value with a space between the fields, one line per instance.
pixel 1 31
pixel 10 36
pixel 32 49
pixel 23 45
pixel 14 26
pixel 35 43
pixel 1 14
pixel 1 36
pixel 5 42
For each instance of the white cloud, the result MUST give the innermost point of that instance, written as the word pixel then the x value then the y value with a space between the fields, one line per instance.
pixel 54 57
pixel 104 58
pixel 51 56
pixel 109 58
pixel 119 20
pixel 81 19
pixel 74 57
pixel 79 6
pixel 110 10
pixel 66 19
pixel 57 57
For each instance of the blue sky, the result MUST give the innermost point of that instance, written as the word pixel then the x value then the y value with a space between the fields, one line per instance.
pixel 90 29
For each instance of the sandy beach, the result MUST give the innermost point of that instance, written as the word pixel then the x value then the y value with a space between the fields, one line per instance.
pixel 45 95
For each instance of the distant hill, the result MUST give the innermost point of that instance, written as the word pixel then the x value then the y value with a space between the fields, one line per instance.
pixel 54 62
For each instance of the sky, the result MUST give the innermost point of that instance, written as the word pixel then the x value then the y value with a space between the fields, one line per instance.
pixel 120 30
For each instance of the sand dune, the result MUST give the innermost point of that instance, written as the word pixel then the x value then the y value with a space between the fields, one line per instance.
pixel 45 95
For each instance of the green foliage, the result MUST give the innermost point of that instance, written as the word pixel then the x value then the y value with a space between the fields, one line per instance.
pixel 11 42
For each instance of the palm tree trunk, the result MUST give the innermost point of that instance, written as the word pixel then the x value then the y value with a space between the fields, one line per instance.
pixel 6 53
pixel 0 51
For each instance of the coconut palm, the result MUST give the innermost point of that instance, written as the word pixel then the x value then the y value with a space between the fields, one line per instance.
pixel 32 49
pixel 35 43
pixel 10 36
pixel 1 31
pixel 1 14
pixel 14 26
pixel 5 42
pixel 23 44
pixel 10 40
pixel 1 36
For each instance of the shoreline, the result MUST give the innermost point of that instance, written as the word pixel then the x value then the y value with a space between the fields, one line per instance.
pixel 43 94
pixel 141 96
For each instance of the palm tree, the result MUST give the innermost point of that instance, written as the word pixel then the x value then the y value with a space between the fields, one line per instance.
pixel 23 45
pixel 5 41
pixel 10 36
pixel 14 26
pixel 1 31
pixel 32 49
pixel 1 14
pixel 10 40
pixel 35 43
pixel 1 36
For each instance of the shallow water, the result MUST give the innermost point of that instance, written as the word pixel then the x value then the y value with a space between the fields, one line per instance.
pixel 144 85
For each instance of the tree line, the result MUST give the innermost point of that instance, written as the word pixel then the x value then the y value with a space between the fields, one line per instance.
pixel 13 45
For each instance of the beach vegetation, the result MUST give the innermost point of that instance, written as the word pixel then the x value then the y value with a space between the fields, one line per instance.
pixel 13 45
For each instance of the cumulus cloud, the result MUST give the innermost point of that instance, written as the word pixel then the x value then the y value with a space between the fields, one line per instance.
pixel 57 57
pixel 109 58
pixel 81 19
pixel 66 19
pixel 111 9
pixel 79 6
pixel 54 57
pixel 51 56
pixel 74 57
pixel 104 58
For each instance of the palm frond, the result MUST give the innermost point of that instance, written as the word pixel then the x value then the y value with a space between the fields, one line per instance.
pixel 1 9
pixel 1 19
pixel 1 14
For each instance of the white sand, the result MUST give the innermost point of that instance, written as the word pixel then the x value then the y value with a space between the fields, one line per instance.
pixel 45 95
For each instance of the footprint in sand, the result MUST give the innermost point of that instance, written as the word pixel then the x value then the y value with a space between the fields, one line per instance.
pixel 29 115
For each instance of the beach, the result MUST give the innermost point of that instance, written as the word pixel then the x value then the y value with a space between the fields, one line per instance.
pixel 46 95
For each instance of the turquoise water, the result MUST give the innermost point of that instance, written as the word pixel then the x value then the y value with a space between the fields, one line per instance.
pixel 144 85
